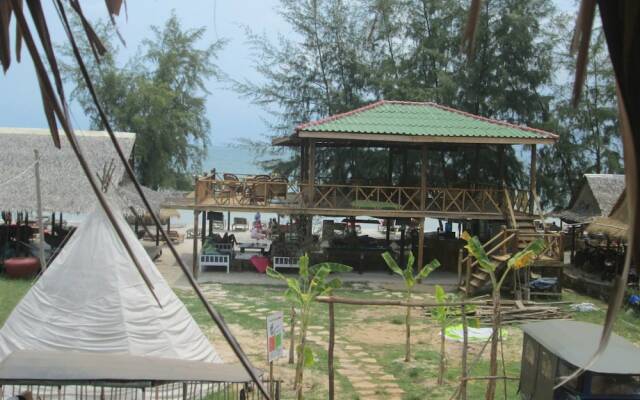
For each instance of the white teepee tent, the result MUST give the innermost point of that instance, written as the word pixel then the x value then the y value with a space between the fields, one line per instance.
pixel 92 299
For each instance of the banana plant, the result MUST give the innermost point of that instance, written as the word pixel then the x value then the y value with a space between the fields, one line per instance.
pixel 519 260
pixel 410 281
pixel 301 292
pixel 444 317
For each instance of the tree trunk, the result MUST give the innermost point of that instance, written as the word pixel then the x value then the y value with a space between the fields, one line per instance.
pixel 493 360
pixel 442 356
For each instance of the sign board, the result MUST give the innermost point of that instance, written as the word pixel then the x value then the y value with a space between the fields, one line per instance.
pixel 275 336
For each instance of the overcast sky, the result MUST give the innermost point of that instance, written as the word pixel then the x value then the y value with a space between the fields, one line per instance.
pixel 231 117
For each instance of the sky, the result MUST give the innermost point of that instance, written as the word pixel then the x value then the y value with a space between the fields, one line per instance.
pixel 231 116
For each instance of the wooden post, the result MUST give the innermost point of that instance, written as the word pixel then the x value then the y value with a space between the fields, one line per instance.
pixel 423 178
pixel 194 265
pixel 532 187
pixel 402 234
pixel 390 168
pixel 388 233
pixel 420 244
pixel 271 379
pixel 292 335
pixel 311 172
pixel 228 221
pixel 157 236
pixel 467 277
pixel 43 261
pixel 460 267
pixel 501 164
pixel 465 345
pixel 204 226
pixel 332 337
pixel 405 167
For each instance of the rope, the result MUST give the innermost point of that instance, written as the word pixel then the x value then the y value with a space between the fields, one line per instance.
pixel 18 175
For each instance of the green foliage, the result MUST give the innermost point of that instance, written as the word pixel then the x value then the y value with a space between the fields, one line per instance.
pixel 443 314
pixel 301 292
pixel 159 94
pixel 474 247
pixel 408 274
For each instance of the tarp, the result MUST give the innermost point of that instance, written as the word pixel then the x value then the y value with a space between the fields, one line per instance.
pixel 92 299
pixel 44 367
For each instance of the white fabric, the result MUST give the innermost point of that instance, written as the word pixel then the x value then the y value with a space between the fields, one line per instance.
pixel 92 298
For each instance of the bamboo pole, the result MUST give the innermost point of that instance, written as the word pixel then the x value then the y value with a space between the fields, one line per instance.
pixel 393 303
pixel 292 336
pixel 533 177
pixel 332 338
pixel 43 261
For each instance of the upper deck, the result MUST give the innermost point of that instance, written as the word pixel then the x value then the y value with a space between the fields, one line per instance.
pixel 279 196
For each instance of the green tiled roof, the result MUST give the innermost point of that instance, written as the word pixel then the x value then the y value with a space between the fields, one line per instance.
pixel 420 119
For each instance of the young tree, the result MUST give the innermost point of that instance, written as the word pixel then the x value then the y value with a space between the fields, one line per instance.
pixel 443 315
pixel 410 281
pixel 159 94
pixel 301 293
pixel 519 260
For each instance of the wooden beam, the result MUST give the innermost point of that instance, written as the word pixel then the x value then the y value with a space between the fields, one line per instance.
pixel 312 163
pixel 420 244
pixel 375 137
pixel 423 177
pixel 533 180
pixel 194 261
pixel 501 165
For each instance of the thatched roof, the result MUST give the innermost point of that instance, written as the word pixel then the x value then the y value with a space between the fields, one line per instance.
pixel 616 225
pixel 596 198
pixel 64 186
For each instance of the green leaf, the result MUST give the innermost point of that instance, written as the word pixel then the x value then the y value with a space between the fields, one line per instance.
pixel 441 295
pixel 409 280
pixel 410 261
pixel 526 257
pixel 477 251
pixel 428 269
pixel 391 263
pixel 333 267
pixel 272 273
pixel 308 357
pixel 303 262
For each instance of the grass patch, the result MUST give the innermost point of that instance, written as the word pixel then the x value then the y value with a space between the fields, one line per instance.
pixel 11 292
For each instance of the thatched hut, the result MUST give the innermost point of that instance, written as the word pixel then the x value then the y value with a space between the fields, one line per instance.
pixel 63 185
pixel 616 225
pixel 596 198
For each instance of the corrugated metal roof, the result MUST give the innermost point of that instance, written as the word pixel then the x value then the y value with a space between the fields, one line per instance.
pixel 420 119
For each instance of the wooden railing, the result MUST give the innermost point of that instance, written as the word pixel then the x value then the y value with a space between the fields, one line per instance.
pixel 443 201
pixel 554 246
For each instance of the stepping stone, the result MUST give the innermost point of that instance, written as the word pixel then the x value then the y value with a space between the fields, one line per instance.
pixel 389 378
pixel 394 390
pixel 316 328
pixel 262 309
pixel 243 311
pixel 369 360
pixel 361 354
pixel 363 384
pixel 352 347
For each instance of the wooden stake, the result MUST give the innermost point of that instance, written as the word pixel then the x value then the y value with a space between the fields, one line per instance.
pixel 292 347
pixel 465 346
pixel 332 338
pixel 43 262
pixel 271 379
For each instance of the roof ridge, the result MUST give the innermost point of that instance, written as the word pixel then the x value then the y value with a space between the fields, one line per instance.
pixel 340 115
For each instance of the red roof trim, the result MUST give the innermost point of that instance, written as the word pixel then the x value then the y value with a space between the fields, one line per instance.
pixel 426 104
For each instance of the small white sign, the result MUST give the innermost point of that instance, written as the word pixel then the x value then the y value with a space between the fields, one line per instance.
pixel 275 336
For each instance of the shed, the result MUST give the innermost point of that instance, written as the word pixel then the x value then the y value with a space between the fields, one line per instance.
pixel 615 225
pixel 554 349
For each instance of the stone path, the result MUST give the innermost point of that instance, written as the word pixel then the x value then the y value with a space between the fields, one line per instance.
pixel 365 374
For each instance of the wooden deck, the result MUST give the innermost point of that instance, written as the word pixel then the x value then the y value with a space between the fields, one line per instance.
pixel 355 200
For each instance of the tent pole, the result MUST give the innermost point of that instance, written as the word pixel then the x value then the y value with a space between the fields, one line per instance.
pixel 43 262
pixel 213 313
pixel 194 264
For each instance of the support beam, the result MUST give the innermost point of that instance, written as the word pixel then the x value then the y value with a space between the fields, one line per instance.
pixel 311 176
pixel 204 226
pixel 420 244
pixel 194 263
pixel 390 167
pixel 501 165
pixel 533 192
pixel 423 177
pixel 43 261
